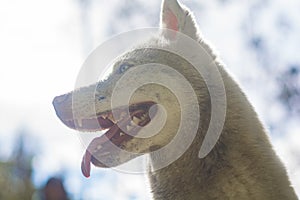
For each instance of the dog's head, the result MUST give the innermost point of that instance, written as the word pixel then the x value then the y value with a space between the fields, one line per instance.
pixel 132 126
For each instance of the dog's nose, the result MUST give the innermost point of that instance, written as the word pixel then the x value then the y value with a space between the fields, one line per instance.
pixel 63 106
pixel 60 99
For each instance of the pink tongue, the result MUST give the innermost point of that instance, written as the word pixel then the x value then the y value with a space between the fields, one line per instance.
pixel 86 164
pixel 105 123
pixel 86 160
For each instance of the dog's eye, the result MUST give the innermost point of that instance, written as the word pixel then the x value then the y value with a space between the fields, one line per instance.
pixel 100 98
pixel 124 67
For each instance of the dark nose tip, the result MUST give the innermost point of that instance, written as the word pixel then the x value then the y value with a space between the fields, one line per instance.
pixel 63 106
pixel 60 99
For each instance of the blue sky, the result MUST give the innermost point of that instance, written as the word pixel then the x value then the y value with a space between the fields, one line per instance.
pixel 44 44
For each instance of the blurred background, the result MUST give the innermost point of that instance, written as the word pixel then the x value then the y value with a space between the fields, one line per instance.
pixel 44 43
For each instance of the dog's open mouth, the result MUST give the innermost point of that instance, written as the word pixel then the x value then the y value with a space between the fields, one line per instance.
pixel 122 126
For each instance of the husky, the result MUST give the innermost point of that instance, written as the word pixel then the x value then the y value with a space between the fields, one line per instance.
pixel 241 165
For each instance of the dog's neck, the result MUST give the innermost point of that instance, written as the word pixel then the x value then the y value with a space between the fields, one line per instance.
pixel 242 165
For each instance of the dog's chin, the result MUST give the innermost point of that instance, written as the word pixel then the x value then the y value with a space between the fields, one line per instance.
pixel 111 161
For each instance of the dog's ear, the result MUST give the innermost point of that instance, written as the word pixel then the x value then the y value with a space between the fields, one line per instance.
pixel 177 18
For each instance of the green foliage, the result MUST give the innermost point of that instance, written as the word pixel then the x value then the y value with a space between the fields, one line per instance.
pixel 15 174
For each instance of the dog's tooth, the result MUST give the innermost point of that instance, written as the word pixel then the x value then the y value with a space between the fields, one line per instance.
pixel 122 115
pixel 79 122
pixel 105 154
pixel 128 127
pixel 135 120
pixel 110 117
pixel 143 117
pixel 99 147
pixel 121 134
